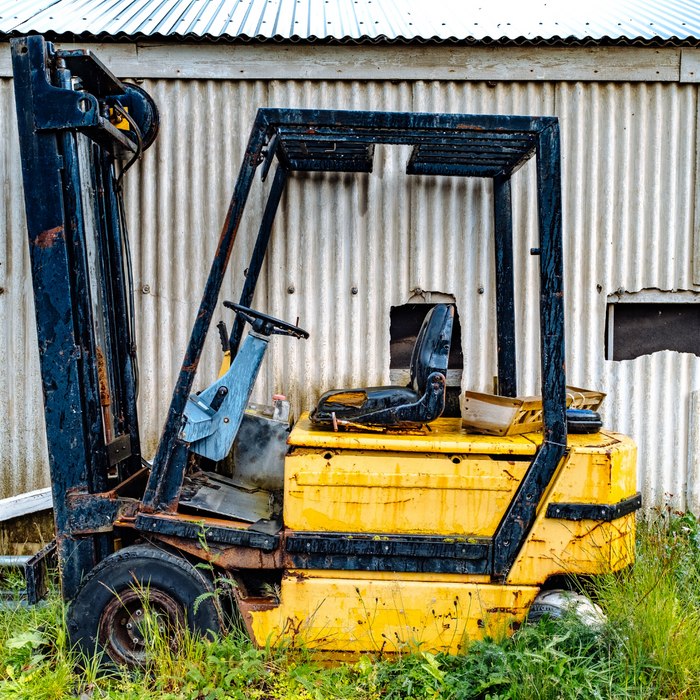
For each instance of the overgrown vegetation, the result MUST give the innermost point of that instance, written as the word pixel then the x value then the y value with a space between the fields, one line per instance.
pixel 650 648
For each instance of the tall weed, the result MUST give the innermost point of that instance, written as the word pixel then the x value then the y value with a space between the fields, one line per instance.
pixel 653 608
pixel 552 660
pixel 34 653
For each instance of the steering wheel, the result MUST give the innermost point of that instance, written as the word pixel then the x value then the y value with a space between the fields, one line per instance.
pixel 264 324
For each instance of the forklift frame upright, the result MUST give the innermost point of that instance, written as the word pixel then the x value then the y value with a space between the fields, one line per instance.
pixel 80 277
pixel 443 144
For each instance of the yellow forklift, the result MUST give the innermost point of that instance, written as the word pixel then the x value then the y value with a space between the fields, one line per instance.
pixel 374 523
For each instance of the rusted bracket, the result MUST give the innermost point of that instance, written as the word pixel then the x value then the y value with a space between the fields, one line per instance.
pixel 58 108
pixel 37 571
pixel 90 513
pixel 231 536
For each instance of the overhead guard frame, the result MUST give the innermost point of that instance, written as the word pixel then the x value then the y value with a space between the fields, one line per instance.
pixel 493 146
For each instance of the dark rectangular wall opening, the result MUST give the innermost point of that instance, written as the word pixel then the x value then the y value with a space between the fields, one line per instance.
pixel 640 329
pixel 406 321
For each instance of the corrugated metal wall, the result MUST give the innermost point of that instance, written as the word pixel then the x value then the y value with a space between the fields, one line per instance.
pixel 629 178
pixel 23 460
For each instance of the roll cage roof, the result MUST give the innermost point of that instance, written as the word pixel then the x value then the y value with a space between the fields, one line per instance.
pixel 443 144
pixel 493 146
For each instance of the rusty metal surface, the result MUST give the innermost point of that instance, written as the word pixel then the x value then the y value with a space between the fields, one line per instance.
pixel 350 20
pixel 258 452
pixel 90 513
pixel 37 570
pixel 123 627
pixel 224 532
pixel 248 605
pixel 220 498
pixel 229 557
pixel 93 513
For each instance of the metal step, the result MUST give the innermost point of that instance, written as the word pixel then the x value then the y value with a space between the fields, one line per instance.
pixel 221 497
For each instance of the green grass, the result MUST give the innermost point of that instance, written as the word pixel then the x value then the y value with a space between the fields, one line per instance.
pixel 650 648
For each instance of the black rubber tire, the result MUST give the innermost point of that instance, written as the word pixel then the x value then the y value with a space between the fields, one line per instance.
pixel 143 566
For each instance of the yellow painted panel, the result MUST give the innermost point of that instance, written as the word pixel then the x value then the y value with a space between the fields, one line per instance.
pixel 569 547
pixel 594 442
pixel 394 576
pixel 599 469
pixel 465 494
pixel 482 482
pixel 398 492
pixel 623 472
pixel 443 435
pixel 354 616
pixel 602 475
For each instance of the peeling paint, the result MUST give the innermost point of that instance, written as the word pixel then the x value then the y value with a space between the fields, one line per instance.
pixel 47 238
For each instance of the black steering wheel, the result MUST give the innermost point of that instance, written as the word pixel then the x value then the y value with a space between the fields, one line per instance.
pixel 264 324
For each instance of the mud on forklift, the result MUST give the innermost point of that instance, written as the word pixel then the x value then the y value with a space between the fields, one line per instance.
pixel 373 524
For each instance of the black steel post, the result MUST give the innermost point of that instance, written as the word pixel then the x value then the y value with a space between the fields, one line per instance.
pixel 551 285
pixel 61 354
pixel 96 460
pixel 520 515
pixel 258 257
pixel 505 302
pixel 169 464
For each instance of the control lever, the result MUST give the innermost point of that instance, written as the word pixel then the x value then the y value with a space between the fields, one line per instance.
pixel 213 417
pixel 226 347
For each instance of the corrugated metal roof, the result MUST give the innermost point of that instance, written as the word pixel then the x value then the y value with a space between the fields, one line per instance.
pixel 518 21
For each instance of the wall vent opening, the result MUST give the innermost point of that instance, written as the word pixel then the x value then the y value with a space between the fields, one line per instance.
pixel 651 321
pixel 406 321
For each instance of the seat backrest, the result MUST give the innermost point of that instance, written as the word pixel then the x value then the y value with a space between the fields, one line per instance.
pixel 432 348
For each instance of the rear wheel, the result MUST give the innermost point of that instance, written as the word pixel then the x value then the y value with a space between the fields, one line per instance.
pixel 136 594
pixel 556 603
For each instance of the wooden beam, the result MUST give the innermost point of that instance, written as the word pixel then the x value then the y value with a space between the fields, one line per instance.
pixel 272 61
pixel 25 503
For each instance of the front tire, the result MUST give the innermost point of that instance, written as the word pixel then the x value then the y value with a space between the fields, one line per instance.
pixel 110 611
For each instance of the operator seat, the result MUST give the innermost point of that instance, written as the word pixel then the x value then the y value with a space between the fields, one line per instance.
pixel 422 401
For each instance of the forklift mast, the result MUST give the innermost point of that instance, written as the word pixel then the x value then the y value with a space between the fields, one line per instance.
pixel 80 129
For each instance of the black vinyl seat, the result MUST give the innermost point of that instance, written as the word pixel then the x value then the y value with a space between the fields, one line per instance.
pixel 422 401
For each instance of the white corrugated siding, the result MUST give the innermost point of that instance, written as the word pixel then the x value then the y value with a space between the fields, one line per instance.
pixel 23 459
pixel 629 178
